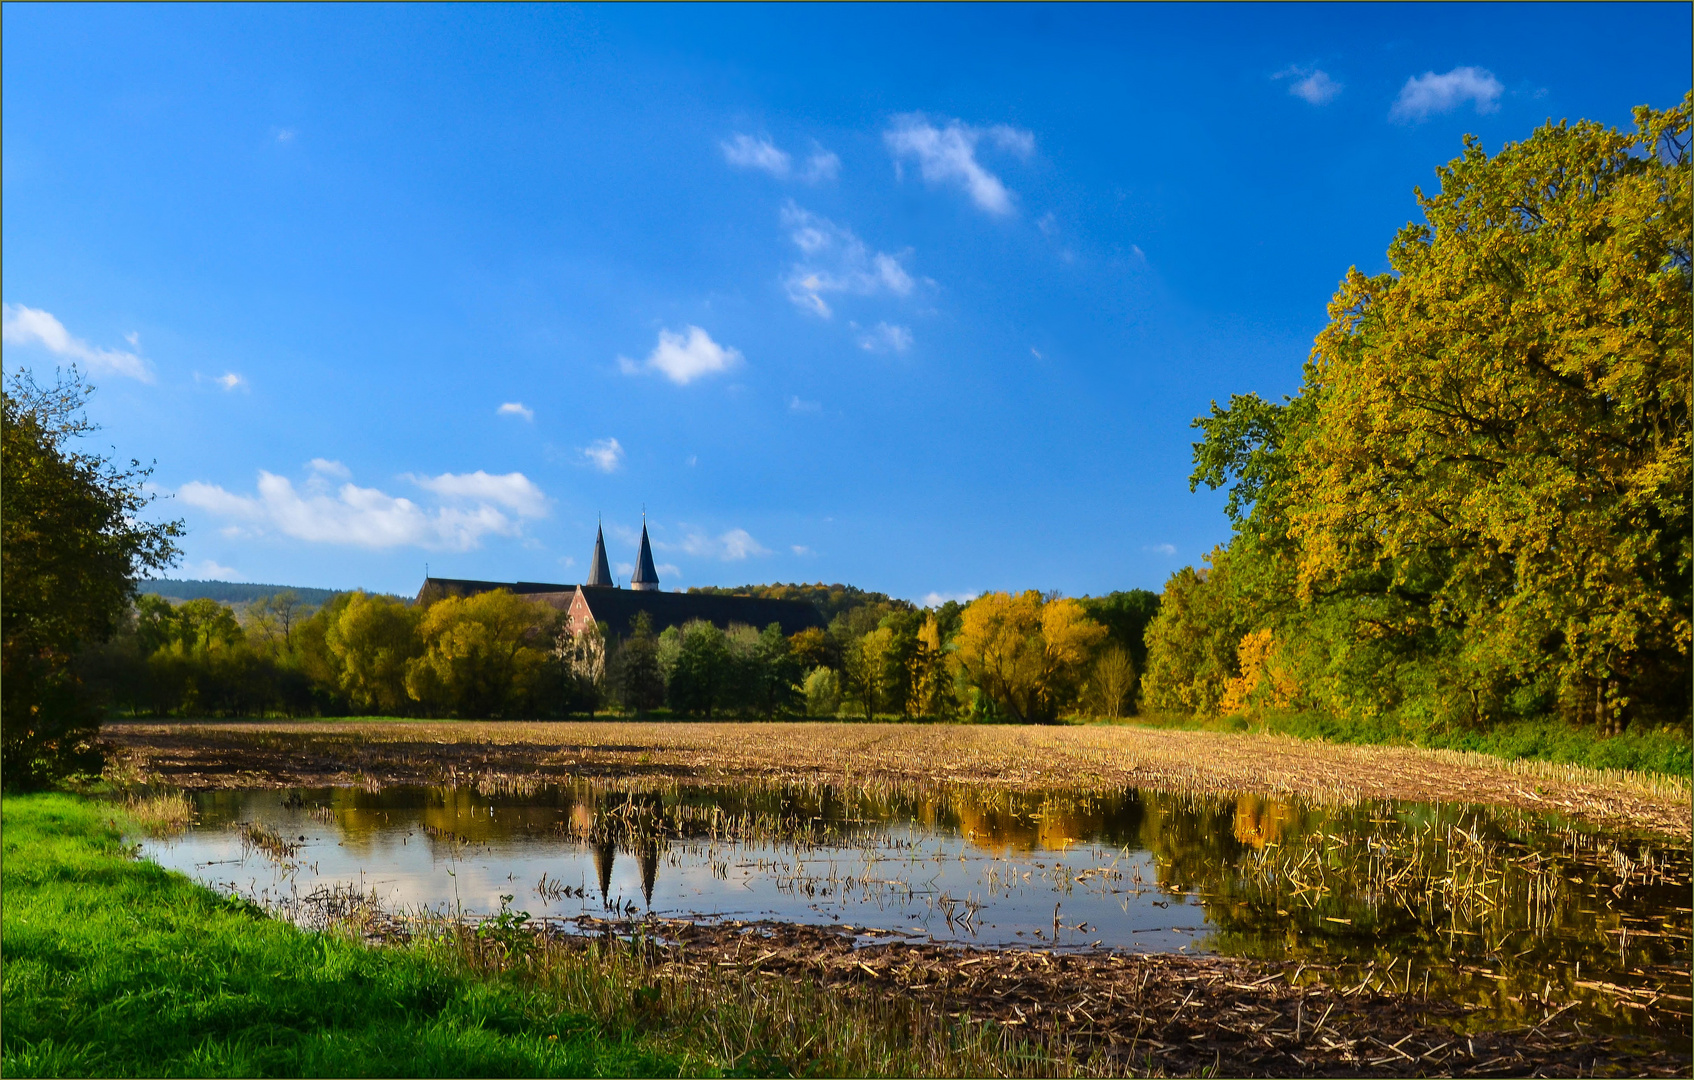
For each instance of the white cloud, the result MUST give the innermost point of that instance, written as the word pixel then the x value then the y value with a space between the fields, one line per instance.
pixel 210 570
pixel 1161 549
pixel 1429 93
pixel 668 570
pixel 604 454
pixel 796 405
pixel 515 408
pixel 366 517
pixel 1311 85
pixel 682 359
pixel 326 467
pixel 515 491
pixel 732 546
pixel 1033 351
pixel 284 135
pixel 134 339
pixel 886 338
pixel 229 380
pixel 936 599
pixel 821 166
pixel 836 261
pixel 20 325
pixel 748 152
pixel 947 155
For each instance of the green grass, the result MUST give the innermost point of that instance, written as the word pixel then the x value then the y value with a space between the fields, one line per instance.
pixel 115 967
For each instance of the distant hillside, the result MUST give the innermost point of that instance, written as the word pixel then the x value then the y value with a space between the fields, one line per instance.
pixel 227 592
pixel 830 600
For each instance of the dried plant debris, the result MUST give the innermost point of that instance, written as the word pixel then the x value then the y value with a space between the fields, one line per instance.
pixel 1116 1013
pixel 511 756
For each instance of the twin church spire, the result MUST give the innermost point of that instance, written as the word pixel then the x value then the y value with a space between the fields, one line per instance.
pixel 646 578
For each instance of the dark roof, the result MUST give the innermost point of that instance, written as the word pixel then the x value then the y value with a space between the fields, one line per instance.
pixel 617 607
pixel 644 572
pixel 439 586
pixel 600 573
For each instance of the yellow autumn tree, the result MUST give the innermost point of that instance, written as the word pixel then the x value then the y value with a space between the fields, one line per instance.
pixel 1502 422
pixel 1028 655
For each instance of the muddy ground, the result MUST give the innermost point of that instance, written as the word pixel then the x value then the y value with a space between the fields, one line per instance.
pixel 1144 1014
pixel 381 753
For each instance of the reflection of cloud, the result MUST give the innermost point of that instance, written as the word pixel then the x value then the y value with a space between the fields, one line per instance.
pixel 1429 93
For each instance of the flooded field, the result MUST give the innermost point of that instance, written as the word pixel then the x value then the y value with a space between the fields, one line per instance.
pixel 1520 914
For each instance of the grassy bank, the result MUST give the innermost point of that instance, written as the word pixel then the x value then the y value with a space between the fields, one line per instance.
pixel 115 967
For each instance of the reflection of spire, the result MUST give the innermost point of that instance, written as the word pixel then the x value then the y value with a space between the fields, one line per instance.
pixel 646 578
pixel 604 853
pixel 649 870
pixel 599 572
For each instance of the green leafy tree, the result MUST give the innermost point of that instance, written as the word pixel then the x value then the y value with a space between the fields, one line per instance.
pixel 72 544
pixel 373 640
pixel 483 656
pixel 823 691
pixel 636 672
pixel 702 675
pixel 1478 503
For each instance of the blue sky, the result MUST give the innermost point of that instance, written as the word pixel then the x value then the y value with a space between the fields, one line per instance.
pixel 921 299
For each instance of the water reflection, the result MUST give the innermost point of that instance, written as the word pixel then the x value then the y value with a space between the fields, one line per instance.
pixel 1503 908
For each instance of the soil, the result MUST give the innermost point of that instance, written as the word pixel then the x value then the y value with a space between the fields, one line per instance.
pixel 200 755
pixel 1151 1014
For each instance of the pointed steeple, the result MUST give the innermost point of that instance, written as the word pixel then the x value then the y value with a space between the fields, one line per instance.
pixel 646 578
pixel 601 572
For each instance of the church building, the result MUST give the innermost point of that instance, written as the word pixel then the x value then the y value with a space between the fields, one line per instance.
pixel 601 600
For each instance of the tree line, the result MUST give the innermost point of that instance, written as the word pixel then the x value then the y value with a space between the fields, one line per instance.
pixel 1477 507
pixel 1014 657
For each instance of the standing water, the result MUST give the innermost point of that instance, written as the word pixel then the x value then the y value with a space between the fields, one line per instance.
pixel 1504 909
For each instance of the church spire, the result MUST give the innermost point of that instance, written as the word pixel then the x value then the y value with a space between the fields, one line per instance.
pixel 646 578
pixel 600 572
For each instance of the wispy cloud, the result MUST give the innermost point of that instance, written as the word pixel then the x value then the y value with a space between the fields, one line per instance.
pixel 470 506
pixel 1425 95
pixel 20 325
pixel 682 358
pixel 947 155
pixel 1160 549
pixel 755 152
pixel 515 408
pixel 833 260
pixel 936 599
pixel 796 405
pixel 800 549
pixel 229 380
pixel 884 337
pixel 750 152
pixel 731 546
pixel 326 467
pixel 210 570
pixel 821 165
pixel 1311 85
pixel 604 454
